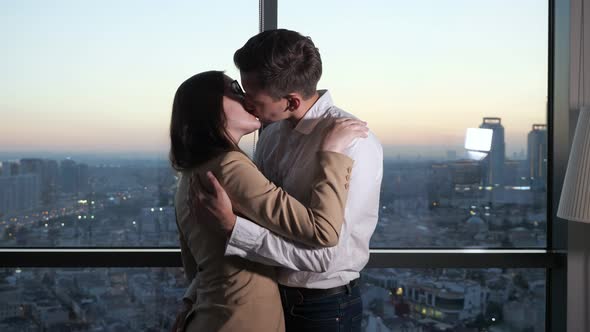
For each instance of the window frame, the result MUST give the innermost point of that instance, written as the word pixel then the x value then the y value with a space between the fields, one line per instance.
pixel 553 258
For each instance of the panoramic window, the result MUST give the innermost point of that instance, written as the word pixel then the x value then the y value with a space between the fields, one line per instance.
pixel 87 92
pixel 422 73
pixel 456 91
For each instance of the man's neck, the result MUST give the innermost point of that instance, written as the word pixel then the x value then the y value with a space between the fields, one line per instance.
pixel 305 106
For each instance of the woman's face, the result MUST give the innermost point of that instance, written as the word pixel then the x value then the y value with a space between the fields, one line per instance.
pixel 238 121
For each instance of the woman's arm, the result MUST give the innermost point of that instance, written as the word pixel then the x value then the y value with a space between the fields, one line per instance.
pixel 256 198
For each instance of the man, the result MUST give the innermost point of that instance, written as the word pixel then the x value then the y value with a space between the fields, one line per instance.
pixel 280 70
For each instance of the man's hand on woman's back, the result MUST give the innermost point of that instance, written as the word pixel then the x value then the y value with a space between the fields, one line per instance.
pixel 211 204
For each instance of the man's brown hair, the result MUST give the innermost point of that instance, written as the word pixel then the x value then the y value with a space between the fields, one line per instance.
pixel 282 61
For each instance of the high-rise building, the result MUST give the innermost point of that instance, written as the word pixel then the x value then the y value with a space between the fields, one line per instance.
pixel 537 156
pixel 83 178
pixel 493 164
pixel 74 177
pixel 48 173
pixel 37 167
pixel 49 196
pixel 31 166
pixel 19 193
pixel 9 168
pixel 69 176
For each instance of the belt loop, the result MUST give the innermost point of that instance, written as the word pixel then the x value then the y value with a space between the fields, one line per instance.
pixel 348 289
pixel 301 297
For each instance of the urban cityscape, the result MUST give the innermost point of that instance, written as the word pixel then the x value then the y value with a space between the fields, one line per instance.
pixel 497 202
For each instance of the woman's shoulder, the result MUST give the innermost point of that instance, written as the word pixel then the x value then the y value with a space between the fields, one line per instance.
pixel 232 157
pixel 231 160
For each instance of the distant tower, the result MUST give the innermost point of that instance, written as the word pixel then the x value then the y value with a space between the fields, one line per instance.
pixel 52 173
pixel 9 168
pixel 69 176
pixel 493 164
pixel 537 156
pixel 83 178
pixel 36 167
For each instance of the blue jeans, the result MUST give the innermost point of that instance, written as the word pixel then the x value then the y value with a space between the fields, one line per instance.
pixel 340 312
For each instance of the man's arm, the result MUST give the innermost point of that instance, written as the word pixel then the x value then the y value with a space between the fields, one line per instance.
pixel 252 242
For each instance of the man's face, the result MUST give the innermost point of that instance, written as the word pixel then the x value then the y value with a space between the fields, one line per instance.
pixel 261 104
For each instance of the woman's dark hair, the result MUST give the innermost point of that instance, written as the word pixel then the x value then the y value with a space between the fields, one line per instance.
pixel 283 61
pixel 197 127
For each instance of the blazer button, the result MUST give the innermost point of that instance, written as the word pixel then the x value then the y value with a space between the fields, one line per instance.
pixel 347 177
pixel 346 186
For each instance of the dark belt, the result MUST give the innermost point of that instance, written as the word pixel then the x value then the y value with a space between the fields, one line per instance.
pixel 309 293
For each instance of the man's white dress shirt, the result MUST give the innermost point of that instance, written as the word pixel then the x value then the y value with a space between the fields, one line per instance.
pixel 285 156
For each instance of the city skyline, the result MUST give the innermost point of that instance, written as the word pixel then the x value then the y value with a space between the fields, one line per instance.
pixel 108 72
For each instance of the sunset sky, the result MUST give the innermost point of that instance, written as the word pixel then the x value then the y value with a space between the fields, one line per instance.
pixel 100 76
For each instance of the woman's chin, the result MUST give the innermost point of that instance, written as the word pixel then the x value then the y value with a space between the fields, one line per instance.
pixel 253 129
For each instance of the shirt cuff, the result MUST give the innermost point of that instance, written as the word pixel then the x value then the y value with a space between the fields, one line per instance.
pixel 244 237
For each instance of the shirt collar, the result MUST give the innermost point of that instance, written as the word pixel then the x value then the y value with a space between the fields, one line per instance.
pixel 315 113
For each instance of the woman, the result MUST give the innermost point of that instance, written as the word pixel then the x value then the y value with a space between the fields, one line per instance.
pixel 208 121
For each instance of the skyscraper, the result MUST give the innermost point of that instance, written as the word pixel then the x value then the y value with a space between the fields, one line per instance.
pixel 36 167
pixel 31 166
pixel 19 193
pixel 493 164
pixel 537 156
pixel 52 172
pixel 83 178
pixel 10 168
pixel 69 176
pixel 47 170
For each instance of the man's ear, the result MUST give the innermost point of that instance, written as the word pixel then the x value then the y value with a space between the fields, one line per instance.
pixel 294 100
